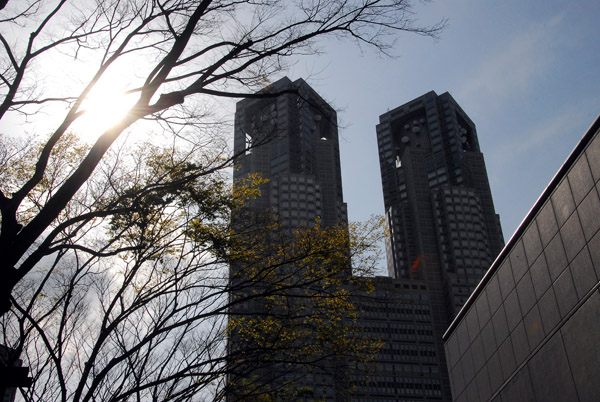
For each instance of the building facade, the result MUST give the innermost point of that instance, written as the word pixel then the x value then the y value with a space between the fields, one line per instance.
pixel 292 141
pixel 407 368
pixel 287 134
pixel 531 330
pixel 437 197
pixel 444 232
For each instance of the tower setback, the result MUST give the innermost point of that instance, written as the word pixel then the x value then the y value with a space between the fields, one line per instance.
pixel 439 208
pixel 444 232
pixel 292 141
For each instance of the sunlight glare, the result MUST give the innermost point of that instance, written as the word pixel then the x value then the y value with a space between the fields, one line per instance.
pixel 105 106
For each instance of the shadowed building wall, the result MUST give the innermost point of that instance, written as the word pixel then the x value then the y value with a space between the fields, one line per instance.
pixel 531 329
pixel 291 140
pixel 444 232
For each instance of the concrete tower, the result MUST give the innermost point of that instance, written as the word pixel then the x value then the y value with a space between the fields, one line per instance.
pixel 292 141
pixel 444 231
pixel 437 197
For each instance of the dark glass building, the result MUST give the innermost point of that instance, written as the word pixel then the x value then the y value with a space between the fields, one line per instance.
pixel 444 232
pixel 531 330
pixel 291 140
pixel 408 366
pixel 288 134
pixel 437 197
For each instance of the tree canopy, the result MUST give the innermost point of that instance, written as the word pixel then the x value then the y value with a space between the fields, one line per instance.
pixel 113 253
pixel 139 304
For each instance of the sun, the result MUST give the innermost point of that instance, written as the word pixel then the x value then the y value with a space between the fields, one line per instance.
pixel 106 104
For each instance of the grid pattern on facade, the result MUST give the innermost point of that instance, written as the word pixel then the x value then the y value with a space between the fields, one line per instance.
pixel 444 232
pixel 429 155
pixel 407 366
pixel 291 141
pixel 531 330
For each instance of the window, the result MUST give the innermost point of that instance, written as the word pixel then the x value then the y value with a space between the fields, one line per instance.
pixel 248 145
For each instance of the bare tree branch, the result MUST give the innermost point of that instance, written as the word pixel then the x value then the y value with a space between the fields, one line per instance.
pixel 114 256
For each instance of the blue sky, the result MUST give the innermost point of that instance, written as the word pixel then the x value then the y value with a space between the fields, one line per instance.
pixel 527 73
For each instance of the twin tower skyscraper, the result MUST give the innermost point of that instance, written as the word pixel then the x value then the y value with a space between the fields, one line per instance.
pixel 444 232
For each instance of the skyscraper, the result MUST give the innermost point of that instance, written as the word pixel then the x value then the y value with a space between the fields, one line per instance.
pixel 437 196
pixel 444 233
pixel 292 140
pixel 288 134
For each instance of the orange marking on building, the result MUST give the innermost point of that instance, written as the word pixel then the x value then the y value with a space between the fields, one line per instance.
pixel 415 264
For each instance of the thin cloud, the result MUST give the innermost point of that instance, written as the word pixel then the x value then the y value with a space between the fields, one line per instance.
pixel 544 133
pixel 515 66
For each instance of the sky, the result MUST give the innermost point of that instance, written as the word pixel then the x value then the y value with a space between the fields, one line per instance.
pixel 526 72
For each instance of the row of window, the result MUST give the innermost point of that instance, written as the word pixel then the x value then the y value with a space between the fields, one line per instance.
pixel 401 329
